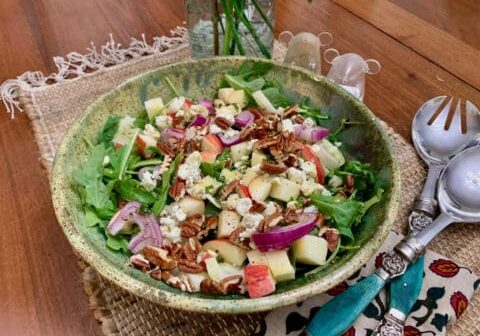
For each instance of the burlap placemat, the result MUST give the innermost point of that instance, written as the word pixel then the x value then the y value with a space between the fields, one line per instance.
pixel 52 108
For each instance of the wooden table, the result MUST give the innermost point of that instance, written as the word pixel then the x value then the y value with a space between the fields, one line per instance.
pixel 426 48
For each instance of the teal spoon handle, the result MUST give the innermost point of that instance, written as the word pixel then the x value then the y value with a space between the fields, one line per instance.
pixel 338 314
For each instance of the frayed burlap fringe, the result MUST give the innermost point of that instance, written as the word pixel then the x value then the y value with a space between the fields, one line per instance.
pixel 77 65
pixel 52 108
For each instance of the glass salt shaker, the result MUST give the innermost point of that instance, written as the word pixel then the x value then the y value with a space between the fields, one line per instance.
pixel 304 49
pixel 348 70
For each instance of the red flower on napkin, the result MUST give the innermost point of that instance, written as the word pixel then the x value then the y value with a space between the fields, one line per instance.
pixel 445 268
pixel 411 331
pixel 350 332
pixel 459 303
pixel 379 260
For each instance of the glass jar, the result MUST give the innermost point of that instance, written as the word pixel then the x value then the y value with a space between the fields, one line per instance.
pixel 230 27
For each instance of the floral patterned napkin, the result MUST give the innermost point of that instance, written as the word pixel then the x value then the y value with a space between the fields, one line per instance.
pixel 446 291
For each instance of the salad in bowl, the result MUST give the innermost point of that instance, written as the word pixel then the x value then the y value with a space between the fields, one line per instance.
pixel 230 194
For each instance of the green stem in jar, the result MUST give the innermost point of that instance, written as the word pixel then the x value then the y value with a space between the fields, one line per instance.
pixel 174 89
pixel 227 36
pixel 262 14
pixel 215 17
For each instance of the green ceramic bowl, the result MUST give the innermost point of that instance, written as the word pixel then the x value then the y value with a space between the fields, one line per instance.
pixel 199 78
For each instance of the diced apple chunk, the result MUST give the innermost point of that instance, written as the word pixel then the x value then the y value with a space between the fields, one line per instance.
pixel 284 190
pixel 229 252
pixel 310 250
pixel 211 143
pixel 227 222
pixel 191 206
pixel 230 175
pixel 208 156
pixel 249 175
pixel 260 187
pixel 329 154
pixel 223 94
pixel 154 107
pixel 241 150
pixel 213 269
pixel 195 279
pixel 257 157
pixel 259 280
pixel 277 261
pixel 237 97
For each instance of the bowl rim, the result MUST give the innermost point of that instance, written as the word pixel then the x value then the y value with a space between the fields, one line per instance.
pixel 210 305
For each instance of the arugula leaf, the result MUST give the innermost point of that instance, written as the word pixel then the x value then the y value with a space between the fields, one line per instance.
pixel 98 194
pixel 91 219
pixel 163 192
pixel 117 243
pixel 372 201
pixel 215 169
pixel 257 69
pixel 131 190
pixel 238 82
pixel 276 97
pixel 150 162
pixel 364 175
pixel 343 125
pixel 92 169
pixel 211 210
pixel 120 159
pixel 141 120
pixel 109 129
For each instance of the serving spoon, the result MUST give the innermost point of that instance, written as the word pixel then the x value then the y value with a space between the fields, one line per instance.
pixel 459 199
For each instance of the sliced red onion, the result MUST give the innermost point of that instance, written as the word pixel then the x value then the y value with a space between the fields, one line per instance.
pixel 170 132
pixel 150 233
pixel 282 237
pixel 199 120
pixel 229 141
pixel 208 104
pixel 244 118
pixel 310 134
pixel 123 218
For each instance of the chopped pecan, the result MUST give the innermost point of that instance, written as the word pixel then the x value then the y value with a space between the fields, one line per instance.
pixel 291 161
pixel 191 249
pixel 228 189
pixel 247 132
pixel 177 190
pixel 178 121
pixel 291 216
pixel 259 133
pixel 299 119
pixel 209 286
pixel 156 274
pixel 174 250
pixel 320 221
pixel 272 168
pixel 188 266
pixel 222 122
pixel 257 112
pixel 332 237
pixel 165 150
pixel 267 142
pixel 270 221
pixel 231 284
pixel 349 184
pixel 257 206
pixel 177 282
pixel 192 146
pixel 211 224
pixel 191 226
pixel 235 235
pixel 159 257
pixel 290 111
pixel 228 163
pixel 140 263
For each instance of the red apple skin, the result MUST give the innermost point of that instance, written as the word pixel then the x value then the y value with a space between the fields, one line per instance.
pixel 205 256
pixel 213 143
pixel 243 191
pixel 208 156
pixel 309 154
pixel 259 281
pixel 141 145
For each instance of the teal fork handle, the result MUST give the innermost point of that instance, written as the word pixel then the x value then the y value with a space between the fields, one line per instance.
pixel 338 314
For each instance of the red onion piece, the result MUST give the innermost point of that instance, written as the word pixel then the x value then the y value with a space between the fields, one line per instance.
pixel 170 132
pixel 282 237
pixel 199 120
pixel 208 104
pixel 310 134
pixel 228 142
pixel 123 218
pixel 244 118
pixel 150 233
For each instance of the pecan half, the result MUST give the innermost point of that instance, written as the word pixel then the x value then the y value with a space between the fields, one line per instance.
pixel 209 286
pixel 273 168
pixel 235 235
pixel 192 146
pixel 267 142
pixel 165 150
pixel 222 122
pixel 174 250
pixel 320 221
pixel 247 132
pixel 291 161
pixel 191 249
pixel 140 263
pixel 156 274
pixel 257 112
pixel 231 284
pixel 191 226
pixel 188 266
pixel 159 257
pixel 211 224
pixel 257 206
pixel 177 122
pixel 290 111
pixel 177 190
pixel 332 237
pixel 228 189
pixel 299 119
pixel 259 133
pixel 270 221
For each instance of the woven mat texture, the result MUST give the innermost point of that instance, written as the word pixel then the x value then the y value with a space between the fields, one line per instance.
pixel 53 108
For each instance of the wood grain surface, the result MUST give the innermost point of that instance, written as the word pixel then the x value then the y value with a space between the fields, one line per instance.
pixel 41 290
